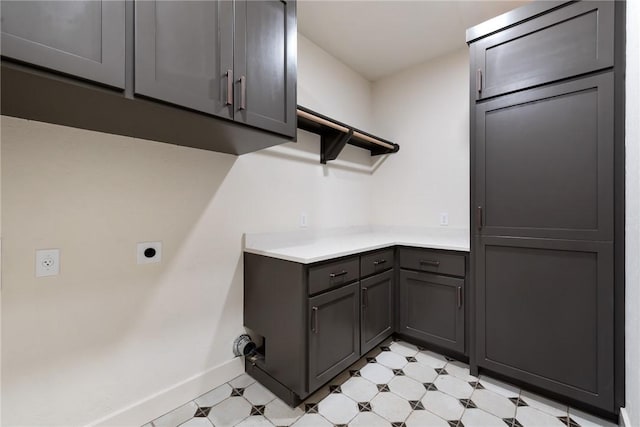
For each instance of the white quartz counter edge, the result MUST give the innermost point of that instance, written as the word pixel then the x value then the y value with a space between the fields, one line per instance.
pixel 338 246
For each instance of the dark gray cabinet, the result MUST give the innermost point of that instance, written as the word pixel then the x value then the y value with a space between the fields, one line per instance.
pixel 184 53
pixel 80 38
pixel 568 41
pixel 316 319
pixel 265 65
pixel 546 146
pixel 234 59
pixel 176 61
pixel 544 160
pixel 334 324
pixel 545 314
pixel 431 309
pixel 377 293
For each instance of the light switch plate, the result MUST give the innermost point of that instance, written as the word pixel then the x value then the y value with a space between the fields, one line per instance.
pixel 47 262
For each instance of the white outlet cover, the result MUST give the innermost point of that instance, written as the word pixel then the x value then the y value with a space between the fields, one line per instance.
pixel 47 262
pixel 143 255
pixel 444 218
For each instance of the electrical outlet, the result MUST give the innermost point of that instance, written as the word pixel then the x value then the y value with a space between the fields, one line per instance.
pixel 149 252
pixel 47 262
pixel 304 220
pixel 444 218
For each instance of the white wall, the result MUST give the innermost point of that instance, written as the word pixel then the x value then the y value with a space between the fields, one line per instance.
pixel 632 407
pixel 107 335
pixel 425 109
pixel 344 95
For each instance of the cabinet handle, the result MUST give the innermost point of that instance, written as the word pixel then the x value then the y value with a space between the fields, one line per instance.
pixel 459 296
pixel 379 262
pixel 430 262
pixel 243 92
pixel 365 298
pixel 479 80
pixel 229 87
pixel 479 217
pixel 334 275
pixel 314 320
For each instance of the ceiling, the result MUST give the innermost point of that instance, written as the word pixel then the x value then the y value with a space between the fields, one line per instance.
pixel 377 38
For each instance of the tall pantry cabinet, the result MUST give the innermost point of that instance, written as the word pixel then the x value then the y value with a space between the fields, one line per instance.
pixel 547 224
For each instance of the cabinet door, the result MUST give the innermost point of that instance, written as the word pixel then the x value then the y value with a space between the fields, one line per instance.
pixel 431 309
pixel 545 314
pixel 265 64
pixel 334 333
pixel 377 310
pixel 565 42
pixel 184 53
pixel 544 162
pixel 81 38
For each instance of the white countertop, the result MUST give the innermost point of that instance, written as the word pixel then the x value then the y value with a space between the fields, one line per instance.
pixel 309 246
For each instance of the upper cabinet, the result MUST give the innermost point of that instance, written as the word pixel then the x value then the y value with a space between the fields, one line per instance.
pixel 265 64
pixel 565 42
pixel 231 59
pixel 85 39
pixel 188 65
pixel 184 54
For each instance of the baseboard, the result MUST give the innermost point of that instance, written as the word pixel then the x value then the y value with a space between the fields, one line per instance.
pixel 157 404
pixel 624 418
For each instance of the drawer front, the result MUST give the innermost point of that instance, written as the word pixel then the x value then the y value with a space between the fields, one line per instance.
pixel 376 262
pixel 332 275
pixel 566 42
pixel 433 261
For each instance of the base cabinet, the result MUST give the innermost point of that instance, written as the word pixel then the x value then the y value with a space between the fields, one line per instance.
pixel 377 310
pixel 334 325
pixel 318 319
pixel 431 309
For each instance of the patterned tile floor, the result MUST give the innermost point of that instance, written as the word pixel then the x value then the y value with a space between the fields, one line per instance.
pixel 395 385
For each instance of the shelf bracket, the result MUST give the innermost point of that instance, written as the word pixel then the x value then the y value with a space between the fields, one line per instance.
pixel 331 144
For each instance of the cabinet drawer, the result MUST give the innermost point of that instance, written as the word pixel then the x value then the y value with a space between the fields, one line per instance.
pixel 334 274
pixel 376 262
pixel 437 262
pixel 565 42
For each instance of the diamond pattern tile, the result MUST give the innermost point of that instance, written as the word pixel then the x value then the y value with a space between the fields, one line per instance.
pixel 407 388
pixel 454 386
pixel 494 403
pixel 478 417
pixel 369 419
pixel 312 420
pixel 338 408
pixel 425 418
pixel 391 360
pixel 230 411
pixel 359 389
pixel 529 416
pixel 391 407
pixel 420 372
pixel 443 405
pixel 396 384
pixel 460 370
pixel 376 373
pixel 281 414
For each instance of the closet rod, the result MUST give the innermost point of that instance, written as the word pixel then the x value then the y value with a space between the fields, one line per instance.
pixel 336 126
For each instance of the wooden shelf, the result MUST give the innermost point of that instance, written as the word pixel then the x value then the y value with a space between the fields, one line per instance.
pixel 334 135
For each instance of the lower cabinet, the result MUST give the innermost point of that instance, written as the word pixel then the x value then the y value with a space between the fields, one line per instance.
pixel 377 309
pixel 334 326
pixel 431 309
pixel 317 319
